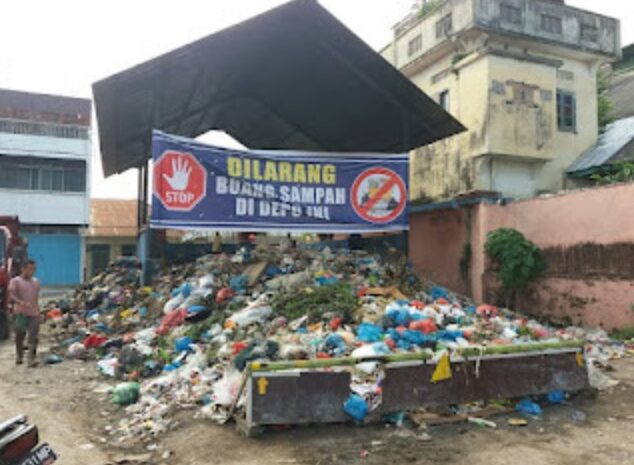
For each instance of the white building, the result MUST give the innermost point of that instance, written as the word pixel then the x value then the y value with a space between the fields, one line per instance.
pixel 45 156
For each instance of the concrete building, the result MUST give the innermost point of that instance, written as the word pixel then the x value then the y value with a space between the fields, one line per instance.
pixel 520 75
pixel 113 233
pixel 45 156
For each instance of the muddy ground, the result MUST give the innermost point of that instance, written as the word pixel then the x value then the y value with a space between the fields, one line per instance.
pixel 72 417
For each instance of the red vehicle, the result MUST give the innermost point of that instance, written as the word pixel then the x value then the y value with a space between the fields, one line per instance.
pixel 10 244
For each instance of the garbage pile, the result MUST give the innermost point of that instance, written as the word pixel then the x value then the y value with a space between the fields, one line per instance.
pixel 186 341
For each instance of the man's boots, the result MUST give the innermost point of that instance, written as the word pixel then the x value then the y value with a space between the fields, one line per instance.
pixel 32 357
pixel 19 349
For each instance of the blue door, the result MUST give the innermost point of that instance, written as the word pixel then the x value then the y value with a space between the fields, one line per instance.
pixel 58 258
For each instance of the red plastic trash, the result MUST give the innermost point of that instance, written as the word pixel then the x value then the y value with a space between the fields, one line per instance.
pixel 238 347
pixel 94 340
pixel 224 294
pixel 487 311
pixel 425 326
pixel 171 320
pixel 55 313
pixel 335 323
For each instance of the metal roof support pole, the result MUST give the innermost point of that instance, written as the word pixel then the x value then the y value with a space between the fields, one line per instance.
pixel 144 233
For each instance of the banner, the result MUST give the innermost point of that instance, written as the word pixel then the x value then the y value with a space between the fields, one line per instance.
pixel 197 186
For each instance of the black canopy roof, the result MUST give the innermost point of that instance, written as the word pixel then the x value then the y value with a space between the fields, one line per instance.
pixel 291 78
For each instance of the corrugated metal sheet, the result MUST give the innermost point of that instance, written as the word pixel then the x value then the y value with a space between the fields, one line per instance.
pixel 291 78
pixel 117 218
pixel 41 106
pixel 608 148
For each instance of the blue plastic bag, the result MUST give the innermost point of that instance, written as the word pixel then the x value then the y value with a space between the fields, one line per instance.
pixel 449 335
pixel 367 332
pixel 528 407
pixel 182 344
pixel 397 317
pixel 439 293
pixel 184 289
pixel 335 344
pixel 326 280
pixel 556 397
pixel 356 407
pixel 239 283
pixel 196 308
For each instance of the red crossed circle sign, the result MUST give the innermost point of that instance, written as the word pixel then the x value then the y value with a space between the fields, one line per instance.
pixel 379 195
pixel 180 181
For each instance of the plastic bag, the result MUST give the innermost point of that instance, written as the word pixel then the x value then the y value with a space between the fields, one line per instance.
pixel 206 282
pixel 239 283
pixel 426 326
pixel 556 397
pixel 367 332
pixel 184 290
pixel 225 391
pixel 94 340
pixel 528 407
pixel 125 393
pixel 183 344
pixel 173 303
pixel 76 350
pixel 255 312
pixel 356 407
pixel 224 294
pixel 171 320
pixel 108 366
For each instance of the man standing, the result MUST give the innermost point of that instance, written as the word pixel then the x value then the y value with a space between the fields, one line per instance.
pixel 24 293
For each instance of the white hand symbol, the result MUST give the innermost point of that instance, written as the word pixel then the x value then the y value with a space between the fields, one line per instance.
pixel 180 174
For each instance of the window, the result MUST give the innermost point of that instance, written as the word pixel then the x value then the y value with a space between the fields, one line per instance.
pixel 415 45
pixel 566 111
pixel 128 250
pixel 510 14
pixel 41 174
pixel 564 75
pixel 443 100
pixel 551 24
pixel 444 26
pixel 498 87
pixel 589 33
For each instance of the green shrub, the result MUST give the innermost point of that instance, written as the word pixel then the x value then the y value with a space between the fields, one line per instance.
pixel 519 260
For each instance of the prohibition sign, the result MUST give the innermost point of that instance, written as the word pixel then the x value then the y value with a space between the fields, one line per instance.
pixel 369 193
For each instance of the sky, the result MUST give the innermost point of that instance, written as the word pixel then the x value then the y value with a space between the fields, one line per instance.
pixel 63 46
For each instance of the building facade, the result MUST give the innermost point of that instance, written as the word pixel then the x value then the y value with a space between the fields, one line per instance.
pixel 45 157
pixel 114 232
pixel 520 75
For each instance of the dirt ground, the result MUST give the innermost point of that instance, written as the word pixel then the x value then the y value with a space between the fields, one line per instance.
pixel 72 417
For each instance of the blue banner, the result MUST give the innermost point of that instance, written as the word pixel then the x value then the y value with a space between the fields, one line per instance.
pixel 197 186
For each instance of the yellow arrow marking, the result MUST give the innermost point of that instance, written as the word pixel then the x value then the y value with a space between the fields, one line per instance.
pixel 262 385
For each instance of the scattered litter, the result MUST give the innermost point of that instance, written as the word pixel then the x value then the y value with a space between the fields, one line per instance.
pixel 528 407
pixel 186 341
pixel 482 422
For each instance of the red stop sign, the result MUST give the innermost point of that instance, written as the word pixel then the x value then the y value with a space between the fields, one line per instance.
pixel 180 181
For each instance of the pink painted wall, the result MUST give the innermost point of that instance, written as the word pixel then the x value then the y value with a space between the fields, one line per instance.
pixel 603 216
pixel 435 246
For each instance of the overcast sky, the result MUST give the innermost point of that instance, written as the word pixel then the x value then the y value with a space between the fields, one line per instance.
pixel 63 46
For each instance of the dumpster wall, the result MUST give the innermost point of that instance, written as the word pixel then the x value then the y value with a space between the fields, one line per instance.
pixel 587 237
